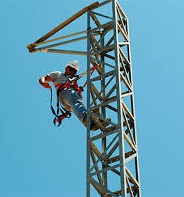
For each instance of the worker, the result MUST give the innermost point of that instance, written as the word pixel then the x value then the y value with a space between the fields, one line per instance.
pixel 69 93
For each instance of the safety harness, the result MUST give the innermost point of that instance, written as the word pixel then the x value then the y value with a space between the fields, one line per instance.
pixel 61 113
pixel 69 85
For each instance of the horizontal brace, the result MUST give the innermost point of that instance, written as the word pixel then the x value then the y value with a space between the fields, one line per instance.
pixel 105 170
pixel 64 51
pixel 123 43
pixel 129 158
pixel 97 30
pixel 101 189
pixel 106 102
pixel 103 135
pixel 112 128
pixel 115 171
pixel 125 94
pixel 100 77
pixel 103 50
pixel 96 13
pixel 118 193
pixel 62 37
pixel 113 159
pixel 63 43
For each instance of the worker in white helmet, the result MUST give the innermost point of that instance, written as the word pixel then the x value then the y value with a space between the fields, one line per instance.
pixel 69 93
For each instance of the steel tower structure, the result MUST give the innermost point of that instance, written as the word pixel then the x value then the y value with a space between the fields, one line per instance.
pixel 112 151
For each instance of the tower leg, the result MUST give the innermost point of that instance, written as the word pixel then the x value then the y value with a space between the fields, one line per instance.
pixel 112 151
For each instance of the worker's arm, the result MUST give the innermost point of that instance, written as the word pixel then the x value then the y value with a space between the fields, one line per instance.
pixel 44 81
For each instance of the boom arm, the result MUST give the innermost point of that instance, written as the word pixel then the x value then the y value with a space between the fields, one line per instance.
pixel 31 47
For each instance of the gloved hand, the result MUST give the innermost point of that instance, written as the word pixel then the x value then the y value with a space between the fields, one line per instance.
pixel 81 88
pixel 47 85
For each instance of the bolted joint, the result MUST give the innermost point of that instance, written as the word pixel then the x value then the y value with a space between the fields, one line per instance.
pixel 31 48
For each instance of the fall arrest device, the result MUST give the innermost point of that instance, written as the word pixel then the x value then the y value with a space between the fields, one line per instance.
pixel 61 113
pixel 59 109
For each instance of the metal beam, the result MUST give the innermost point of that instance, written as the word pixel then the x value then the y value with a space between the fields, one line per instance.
pixel 31 47
pixel 111 90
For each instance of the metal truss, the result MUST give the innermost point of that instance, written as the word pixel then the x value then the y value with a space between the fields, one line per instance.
pixel 112 150
pixel 112 154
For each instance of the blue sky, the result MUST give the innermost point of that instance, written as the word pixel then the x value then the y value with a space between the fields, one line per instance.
pixel 40 160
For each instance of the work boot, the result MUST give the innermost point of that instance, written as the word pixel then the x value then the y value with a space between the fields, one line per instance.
pixel 96 111
pixel 95 127
pixel 85 120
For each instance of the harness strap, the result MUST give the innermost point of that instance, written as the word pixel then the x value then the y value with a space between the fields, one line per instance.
pixel 59 117
pixel 73 84
pixel 91 72
pixel 68 85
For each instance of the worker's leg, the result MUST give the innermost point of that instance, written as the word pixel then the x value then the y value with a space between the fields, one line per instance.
pixel 72 99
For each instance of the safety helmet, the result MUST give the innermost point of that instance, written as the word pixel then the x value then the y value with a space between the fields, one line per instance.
pixel 74 64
